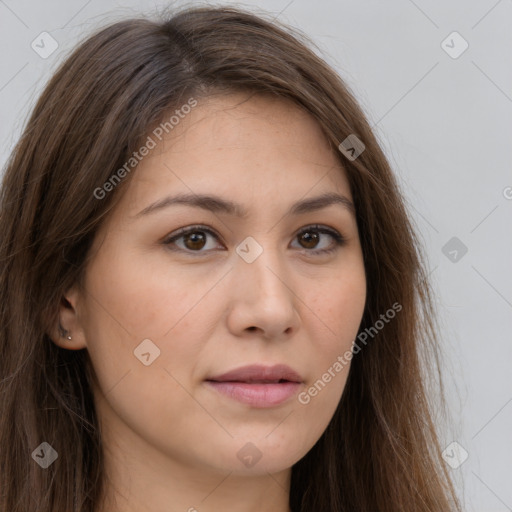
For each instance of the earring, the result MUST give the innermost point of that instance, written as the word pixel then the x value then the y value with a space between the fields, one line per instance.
pixel 64 333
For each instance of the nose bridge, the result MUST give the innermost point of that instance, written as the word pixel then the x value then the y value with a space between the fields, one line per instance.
pixel 261 260
pixel 262 302
pixel 261 270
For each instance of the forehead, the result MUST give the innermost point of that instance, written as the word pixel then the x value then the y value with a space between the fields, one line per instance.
pixel 240 146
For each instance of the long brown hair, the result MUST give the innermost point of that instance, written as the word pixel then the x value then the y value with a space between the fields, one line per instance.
pixel 380 451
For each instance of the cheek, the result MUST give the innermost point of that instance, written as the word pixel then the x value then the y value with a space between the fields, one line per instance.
pixel 131 299
pixel 142 296
pixel 338 308
pixel 338 305
pixel 127 303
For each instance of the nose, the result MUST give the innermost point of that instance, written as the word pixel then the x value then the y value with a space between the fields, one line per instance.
pixel 262 298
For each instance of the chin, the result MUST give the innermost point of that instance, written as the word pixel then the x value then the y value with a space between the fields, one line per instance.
pixel 259 456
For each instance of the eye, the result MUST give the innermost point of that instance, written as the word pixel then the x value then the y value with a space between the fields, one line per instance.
pixel 312 235
pixel 194 239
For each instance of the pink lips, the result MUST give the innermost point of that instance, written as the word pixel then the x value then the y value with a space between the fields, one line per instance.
pixel 257 385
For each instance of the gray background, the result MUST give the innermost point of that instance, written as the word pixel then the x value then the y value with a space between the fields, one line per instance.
pixel 445 124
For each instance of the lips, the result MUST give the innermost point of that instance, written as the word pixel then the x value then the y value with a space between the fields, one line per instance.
pixel 257 385
pixel 260 374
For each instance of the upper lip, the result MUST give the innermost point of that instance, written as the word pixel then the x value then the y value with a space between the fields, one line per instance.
pixel 259 373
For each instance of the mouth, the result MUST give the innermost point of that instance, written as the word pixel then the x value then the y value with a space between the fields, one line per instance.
pixel 258 386
pixel 254 381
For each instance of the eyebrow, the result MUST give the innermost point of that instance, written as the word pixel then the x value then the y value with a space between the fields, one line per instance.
pixel 217 204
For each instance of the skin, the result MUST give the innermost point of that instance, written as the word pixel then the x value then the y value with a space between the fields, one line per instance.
pixel 170 441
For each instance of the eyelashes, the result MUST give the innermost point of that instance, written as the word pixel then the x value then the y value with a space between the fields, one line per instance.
pixel 312 232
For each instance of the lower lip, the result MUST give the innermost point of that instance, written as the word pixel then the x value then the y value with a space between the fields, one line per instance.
pixel 257 394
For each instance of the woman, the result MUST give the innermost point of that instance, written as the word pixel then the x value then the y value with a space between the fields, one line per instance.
pixel 212 297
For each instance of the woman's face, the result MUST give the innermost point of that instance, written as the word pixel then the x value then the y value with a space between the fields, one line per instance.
pixel 164 313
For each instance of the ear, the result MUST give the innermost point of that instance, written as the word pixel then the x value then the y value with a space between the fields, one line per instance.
pixel 68 324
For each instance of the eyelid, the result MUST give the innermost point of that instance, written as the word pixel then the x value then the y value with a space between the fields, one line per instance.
pixel 190 229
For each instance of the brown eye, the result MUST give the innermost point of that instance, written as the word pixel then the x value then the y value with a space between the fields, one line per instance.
pixel 309 239
pixel 194 240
